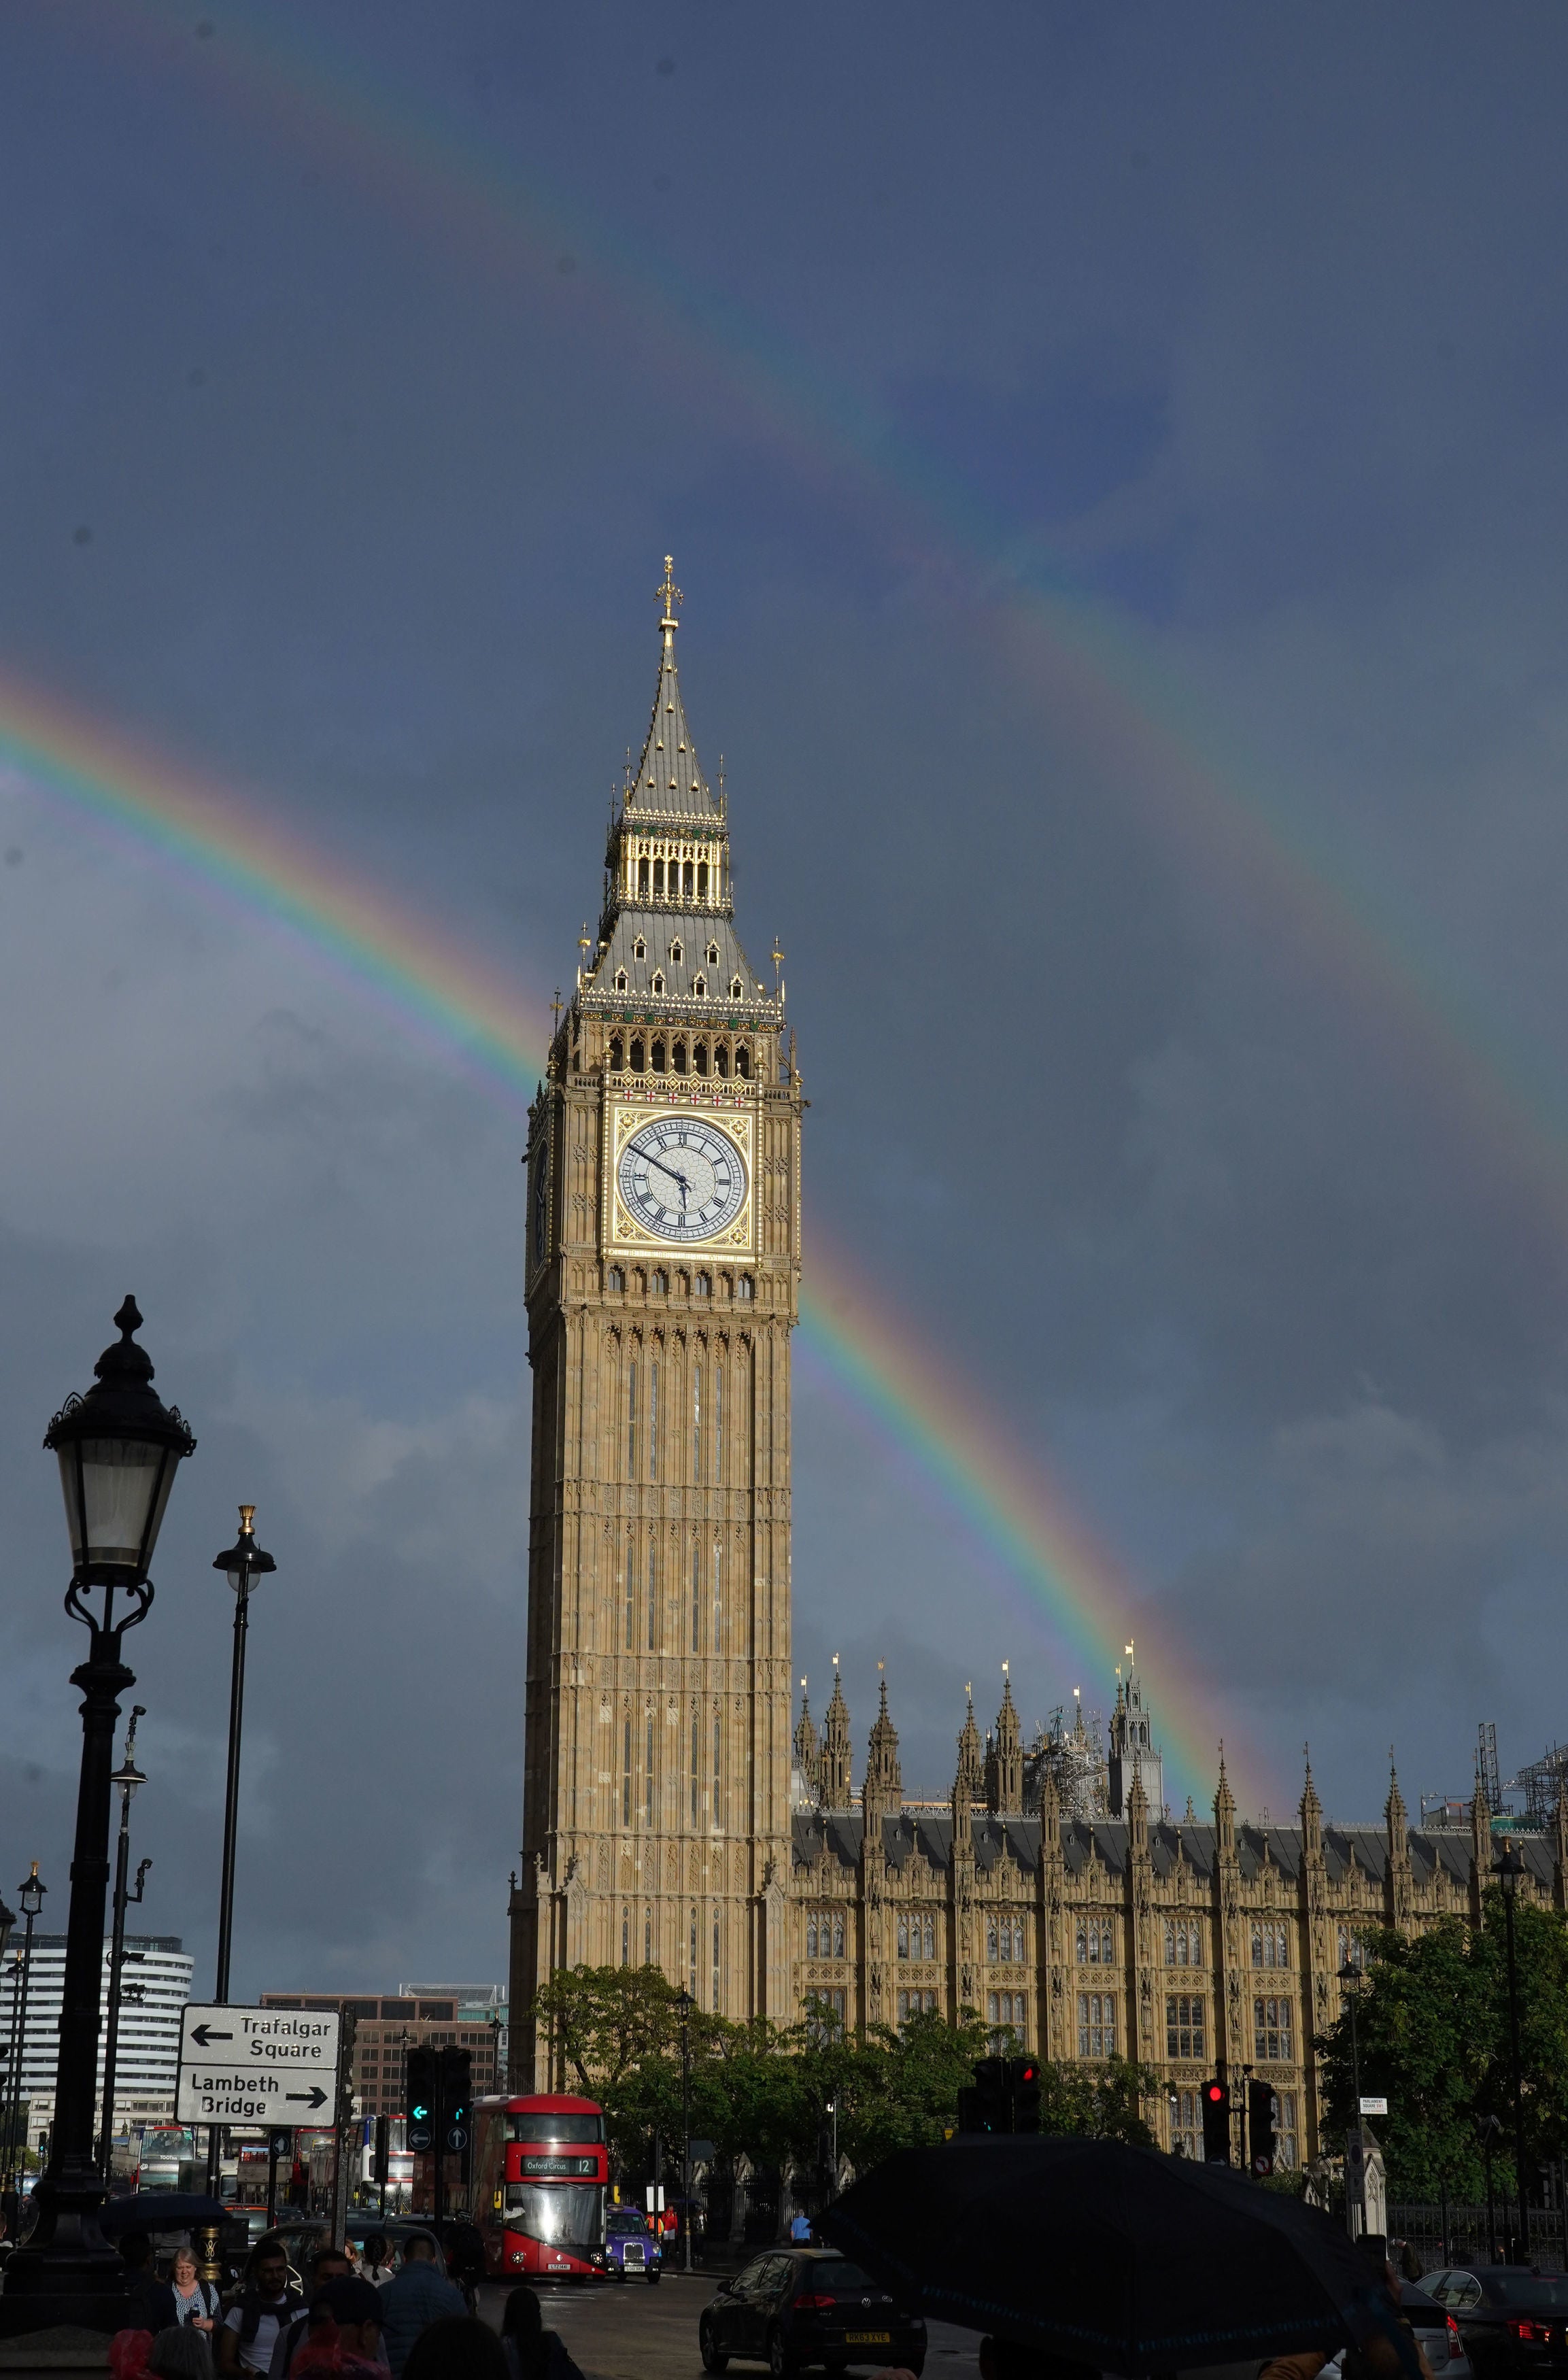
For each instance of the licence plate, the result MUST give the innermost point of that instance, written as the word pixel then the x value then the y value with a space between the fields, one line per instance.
pixel 868 2338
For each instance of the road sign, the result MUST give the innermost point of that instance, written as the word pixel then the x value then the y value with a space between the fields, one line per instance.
pixel 1374 2106
pixel 257 2066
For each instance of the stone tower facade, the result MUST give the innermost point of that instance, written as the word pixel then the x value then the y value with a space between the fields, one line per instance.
pixel 663 1281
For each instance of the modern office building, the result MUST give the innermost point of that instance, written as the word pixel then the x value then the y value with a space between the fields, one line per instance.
pixel 155 1985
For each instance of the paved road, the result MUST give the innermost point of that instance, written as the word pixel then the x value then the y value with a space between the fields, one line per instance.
pixel 630 2331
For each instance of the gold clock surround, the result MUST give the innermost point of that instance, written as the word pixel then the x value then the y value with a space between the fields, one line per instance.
pixel 729 1109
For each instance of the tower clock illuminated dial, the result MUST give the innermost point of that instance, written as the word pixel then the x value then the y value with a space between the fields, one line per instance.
pixel 681 1179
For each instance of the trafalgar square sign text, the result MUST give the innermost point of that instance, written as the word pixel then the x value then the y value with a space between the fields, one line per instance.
pixel 257 2065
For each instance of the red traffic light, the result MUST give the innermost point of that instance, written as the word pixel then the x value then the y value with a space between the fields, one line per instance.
pixel 1027 2070
pixel 1213 2091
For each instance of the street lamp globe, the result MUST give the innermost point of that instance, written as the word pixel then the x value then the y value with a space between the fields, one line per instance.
pixel 31 1894
pixel 128 1777
pixel 118 1448
pixel 244 1562
pixel 1508 1871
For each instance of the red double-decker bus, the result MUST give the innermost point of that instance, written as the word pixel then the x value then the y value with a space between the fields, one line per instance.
pixel 539 2180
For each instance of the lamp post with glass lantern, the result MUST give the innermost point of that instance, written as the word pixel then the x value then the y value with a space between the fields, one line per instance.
pixel 31 1898
pixel 1350 1977
pixel 128 1777
pixel 7 1919
pixel 244 1562
pixel 685 2002
pixel 1508 1871
pixel 118 1448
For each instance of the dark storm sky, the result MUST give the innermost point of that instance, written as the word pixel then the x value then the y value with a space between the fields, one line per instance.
pixel 357 366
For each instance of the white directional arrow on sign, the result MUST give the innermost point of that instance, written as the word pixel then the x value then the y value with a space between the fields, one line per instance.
pixel 257 2065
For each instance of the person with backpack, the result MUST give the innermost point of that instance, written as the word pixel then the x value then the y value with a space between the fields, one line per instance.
pixel 267 2306
pixel 196 2301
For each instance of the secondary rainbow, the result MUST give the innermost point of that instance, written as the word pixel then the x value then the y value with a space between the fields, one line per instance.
pixel 1503 1102
pixel 477 1015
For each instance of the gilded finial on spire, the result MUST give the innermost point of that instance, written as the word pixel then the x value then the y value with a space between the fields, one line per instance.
pixel 669 596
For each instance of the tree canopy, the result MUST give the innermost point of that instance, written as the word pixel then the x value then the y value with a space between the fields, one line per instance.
pixel 767 2091
pixel 1433 2033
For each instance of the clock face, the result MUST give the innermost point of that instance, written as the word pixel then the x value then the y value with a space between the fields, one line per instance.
pixel 682 1179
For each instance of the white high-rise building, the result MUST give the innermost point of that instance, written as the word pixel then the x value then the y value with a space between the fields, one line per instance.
pixel 154 1986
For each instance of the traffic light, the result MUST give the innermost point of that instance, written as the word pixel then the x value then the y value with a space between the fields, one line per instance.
pixel 456 2102
pixel 380 2163
pixel 423 2097
pixel 1216 2122
pixel 1263 2111
pixel 1023 2093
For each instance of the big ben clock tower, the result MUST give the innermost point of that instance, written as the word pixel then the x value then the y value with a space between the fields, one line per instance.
pixel 663 1271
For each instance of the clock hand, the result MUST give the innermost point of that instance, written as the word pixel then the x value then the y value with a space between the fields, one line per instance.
pixel 672 1172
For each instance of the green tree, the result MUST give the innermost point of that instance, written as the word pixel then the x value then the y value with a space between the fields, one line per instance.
pixel 1432 2025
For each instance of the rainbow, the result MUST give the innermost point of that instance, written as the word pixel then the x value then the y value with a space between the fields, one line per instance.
pixel 473 1014
pixel 1082 662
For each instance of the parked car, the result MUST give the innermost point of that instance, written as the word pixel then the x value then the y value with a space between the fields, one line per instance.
pixel 1510 2319
pixel 798 2306
pixel 631 2250
pixel 1437 2332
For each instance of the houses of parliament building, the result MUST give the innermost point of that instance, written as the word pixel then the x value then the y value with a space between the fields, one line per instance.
pixel 676 1809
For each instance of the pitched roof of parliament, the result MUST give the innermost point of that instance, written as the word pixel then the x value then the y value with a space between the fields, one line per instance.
pixel 674 1810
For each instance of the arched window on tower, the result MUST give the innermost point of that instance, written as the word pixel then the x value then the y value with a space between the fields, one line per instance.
pixel 617 1051
pixel 702 880
pixel 743 1059
pixel 638 1057
pixel 687 879
pixel 713 953
pixel 699 1058
pixel 659 984
pixel 615 1280
pixel 658 880
pixel 657 1046
pixel 680 1057
pixel 676 953
pixel 734 987
pixel 620 978
pixel 721 1058
pixel 642 880
pixel 639 948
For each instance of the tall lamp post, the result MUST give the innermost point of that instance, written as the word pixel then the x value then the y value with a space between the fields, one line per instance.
pixel 245 1563
pixel 118 1448
pixel 7 1920
pixel 128 1777
pixel 31 1898
pixel 685 2002
pixel 1508 1871
pixel 1350 1977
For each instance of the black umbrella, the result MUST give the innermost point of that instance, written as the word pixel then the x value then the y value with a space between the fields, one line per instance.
pixel 1118 2257
pixel 159 2210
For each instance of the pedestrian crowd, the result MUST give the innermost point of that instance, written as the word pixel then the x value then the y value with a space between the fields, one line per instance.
pixel 357 2318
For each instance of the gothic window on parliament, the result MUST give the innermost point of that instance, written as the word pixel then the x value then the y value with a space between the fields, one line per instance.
pixel 824 1934
pixel 713 953
pixel 701 1286
pixel 700 988
pixel 1097 2024
pixel 1006 2016
pixel 1183 2027
pixel 658 985
pixel 1270 1943
pixel 734 987
pixel 615 1280
pixel 614 1046
pixel 1183 1942
pixel 1096 1942
pixel 1186 2123
pixel 1287 2135
pixel 1004 1938
pixel 676 953
pixel 1272 2032
pixel 639 948
pixel 916 2004
pixel 825 2015
pixel 744 1287
pixel 917 1934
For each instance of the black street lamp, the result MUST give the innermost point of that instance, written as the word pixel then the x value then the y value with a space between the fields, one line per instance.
pixel 31 1898
pixel 685 2002
pixel 1508 1871
pixel 128 1777
pixel 118 1448
pixel 244 1562
pixel 1350 1979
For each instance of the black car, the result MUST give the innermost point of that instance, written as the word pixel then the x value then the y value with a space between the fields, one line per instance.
pixel 798 2306
pixel 1510 2319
